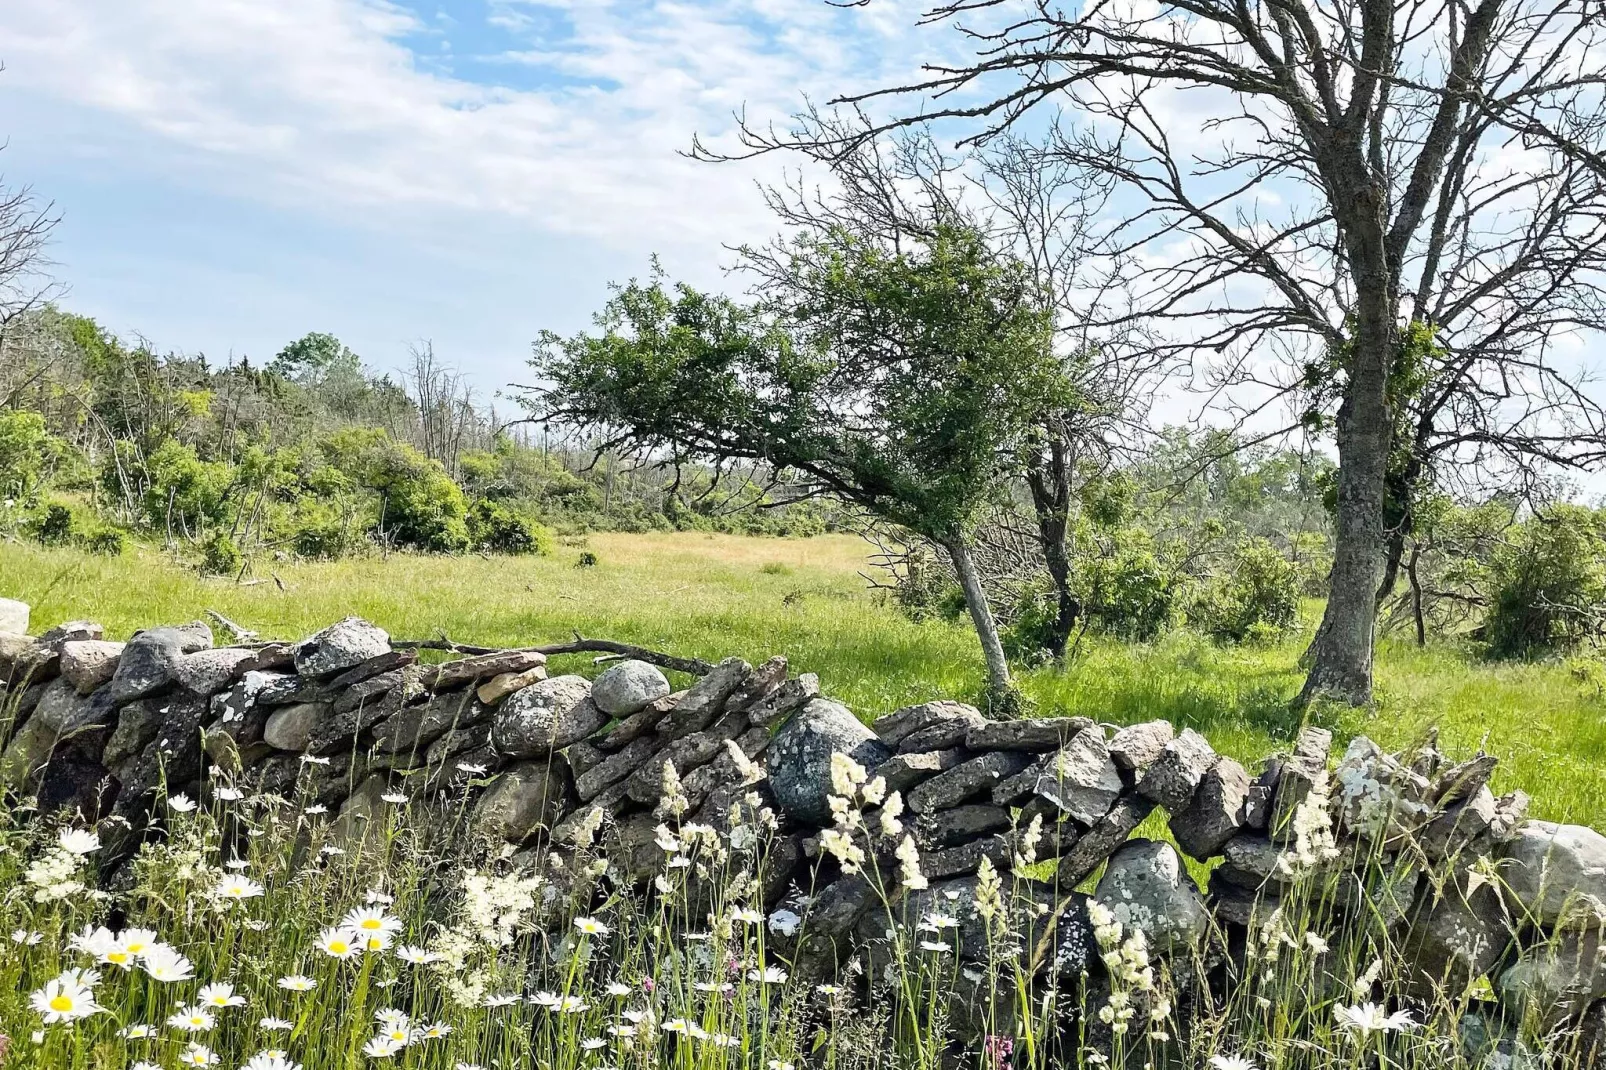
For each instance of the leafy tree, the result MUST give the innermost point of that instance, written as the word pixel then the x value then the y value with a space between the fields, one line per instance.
pixel 903 378
pixel 1549 584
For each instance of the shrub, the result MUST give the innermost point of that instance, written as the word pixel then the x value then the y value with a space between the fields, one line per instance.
pixel 57 526
pixel 1549 584
pixel 587 559
pixel 1030 633
pixel 220 557
pixel 498 528
pixel 106 540
pixel 1129 592
pixel 185 490
pixel 1257 598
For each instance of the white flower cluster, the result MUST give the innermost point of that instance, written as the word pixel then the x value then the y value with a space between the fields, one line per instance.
pixel 853 792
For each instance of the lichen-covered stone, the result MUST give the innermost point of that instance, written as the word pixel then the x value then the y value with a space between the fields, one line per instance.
pixel 1455 937
pixel 13 616
pixel 966 781
pixel 1147 888
pixel 343 645
pixel 949 725
pixel 527 799
pixel 88 663
pixel 903 771
pixel 949 828
pixel 628 687
pixel 705 700
pixel 898 725
pixel 1029 734
pixel 206 672
pixel 800 757
pixel 1080 779
pixel 1173 777
pixel 1216 813
pixel 1096 844
pixel 1557 870
pixel 615 767
pixel 545 717
pixel 785 700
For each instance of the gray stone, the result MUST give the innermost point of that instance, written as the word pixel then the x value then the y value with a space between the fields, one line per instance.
pixel 800 757
pixel 137 725
pixel 341 646
pixel 415 727
pixel 282 688
pixel 545 717
pixel 22 655
pixel 290 727
pixel 1297 777
pixel 1557 870
pixel 1147 888
pixel 1555 980
pixel 88 663
pixel 965 781
pixel 62 709
pixel 724 771
pixel 1136 747
pixel 949 828
pixel 1262 795
pixel 1239 905
pixel 13 616
pixel 633 727
pixel 1096 844
pixel 67 631
pixel 26 754
pixel 685 754
pixel 1081 779
pixel 1465 827
pixel 628 687
pixel 963 859
pixel 450 674
pixel 761 683
pixel 1216 813
pixel 903 771
pixel 206 672
pixel 1174 776
pixel 149 663
pixel 1030 734
pixel 1251 861
pixel 705 700
pixel 343 729
pixel 366 693
pixel 497 688
pixel 898 725
pixel 388 662
pixel 1455 938
pixel 527 798
pixel 1314 744
pixel 1377 797
pixel 614 768
pixel 785 700
pixel 581 757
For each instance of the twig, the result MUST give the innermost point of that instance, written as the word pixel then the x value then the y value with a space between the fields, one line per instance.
pixel 580 645
pixel 241 635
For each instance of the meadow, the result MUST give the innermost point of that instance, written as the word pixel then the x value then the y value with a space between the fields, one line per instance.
pixel 712 596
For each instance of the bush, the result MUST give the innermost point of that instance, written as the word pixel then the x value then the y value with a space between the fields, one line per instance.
pixel 1258 597
pixel 109 541
pixel 57 526
pixel 220 557
pixel 1030 633
pixel 1130 592
pixel 500 529
pixel 1549 584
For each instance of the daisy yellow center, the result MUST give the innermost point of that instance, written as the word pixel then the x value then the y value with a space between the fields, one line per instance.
pixel 339 947
pixel 370 924
pixel 61 1003
pixel 117 957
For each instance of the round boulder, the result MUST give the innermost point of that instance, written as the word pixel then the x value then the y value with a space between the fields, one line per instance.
pixel 545 717
pixel 1147 888
pixel 628 687
pixel 800 757
pixel 1557 869
pixel 343 645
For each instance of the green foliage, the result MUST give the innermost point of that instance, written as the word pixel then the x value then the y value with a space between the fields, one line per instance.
pixel 500 529
pixel 419 506
pixel 220 556
pixel 1030 631
pixel 1549 584
pixel 57 526
pixel 1255 599
pixel 1130 592
pixel 184 493
pixel 106 541
pixel 27 453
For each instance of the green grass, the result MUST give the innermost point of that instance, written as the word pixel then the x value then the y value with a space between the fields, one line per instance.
pixel 716 595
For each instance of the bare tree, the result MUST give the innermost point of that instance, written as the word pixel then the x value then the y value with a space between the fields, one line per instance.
pixel 1312 173
pixel 447 420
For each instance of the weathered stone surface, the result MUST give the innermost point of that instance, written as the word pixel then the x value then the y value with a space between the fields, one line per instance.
pixel 1216 813
pixel 614 768
pixel 1377 797
pixel 527 798
pixel 460 671
pixel 341 646
pixel 903 771
pixel 1174 776
pixel 686 754
pixel 88 663
pixel 415 727
pixel 724 770
pixel 965 781
pixel 1455 938
pixel 1250 861
pixel 706 699
pixel 949 828
pixel 1081 779
pixel 497 688
pixel 149 663
pixel 581 757
pixel 1297 776
pixel 1465 827
pixel 342 730
pixel 895 727
pixel 1314 744
pixel 761 683
pixel 13 616
pixel 1030 734
pixel 290 727
pixel 1234 903
pixel 284 688
pixel 1095 845
pixel 206 672
pixel 785 700
pixel 1262 794
pixel 1138 746
pixel 546 716
pixel 269 657
pixel 948 725
pixel 388 662
pixel 367 692
pixel 26 754
pixel 21 654
pixel 1555 870
pixel 1465 779
pixel 1147 888
pixel 1555 980
pixel 628 687
pixel 800 757
pixel 62 709
pixel 137 725
pixel 69 630
pixel 954 861
pixel 633 727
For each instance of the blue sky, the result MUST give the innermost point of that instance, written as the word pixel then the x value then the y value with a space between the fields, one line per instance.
pixel 234 173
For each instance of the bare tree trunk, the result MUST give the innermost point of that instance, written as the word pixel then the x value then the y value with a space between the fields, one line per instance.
pixel 1341 654
pixel 981 615
pixel 1050 485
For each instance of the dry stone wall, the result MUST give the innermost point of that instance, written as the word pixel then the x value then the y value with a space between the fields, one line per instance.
pixel 342 718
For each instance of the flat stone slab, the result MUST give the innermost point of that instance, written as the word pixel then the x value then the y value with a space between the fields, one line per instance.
pixel 965 781
pixel 1033 734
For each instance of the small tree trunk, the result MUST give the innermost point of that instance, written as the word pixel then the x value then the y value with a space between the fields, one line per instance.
pixel 1049 480
pixel 981 615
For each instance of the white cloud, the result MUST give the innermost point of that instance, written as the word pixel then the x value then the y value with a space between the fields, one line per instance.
pixel 325 104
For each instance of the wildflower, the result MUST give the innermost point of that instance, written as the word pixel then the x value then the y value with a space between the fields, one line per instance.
pixel 193 1019
pixel 433 1031
pixel 394 798
pixel 1369 1018
pixel 339 943
pixel 313 759
pixel 228 794
pixel 274 1025
pixel 501 999
pixel 374 942
pixel 370 920
pixel 1231 1062
pixel 593 1044
pixel 376 897
pixel 181 804
pixel 296 982
pixel 785 922
pixel 23 936
pixel 934 945
pixel 989 890
pixel 677 1025
pixel 236 888
pixel 381 1048
pixel 79 842
pixel 616 989
pixel 847 775
pixel 591 927
pixel 828 990
pixel 220 995
pixel 164 964
pixel 138 941
pixel 770 975
pixel 572 1005
pixel 143 1065
pixel 329 850
pixel 270 1060
pixel 198 1055
pixel 472 769
pixel 843 849
pixel 138 1031
pixel 672 798
pixel 315 809
pixel 747 916
pixel 415 956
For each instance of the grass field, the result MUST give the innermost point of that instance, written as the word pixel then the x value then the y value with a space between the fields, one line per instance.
pixel 715 595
